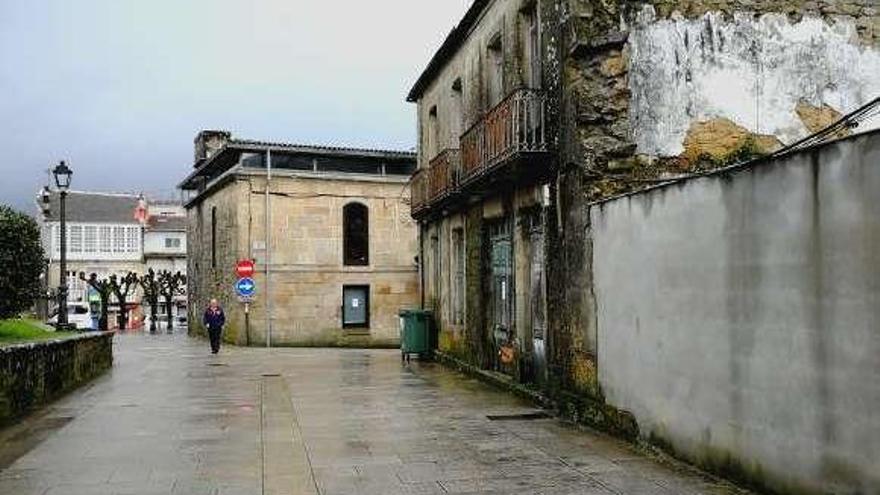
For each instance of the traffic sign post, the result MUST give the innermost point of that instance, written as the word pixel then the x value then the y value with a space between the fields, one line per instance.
pixel 245 288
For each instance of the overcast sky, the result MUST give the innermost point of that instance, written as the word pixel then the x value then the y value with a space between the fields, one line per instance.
pixel 119 88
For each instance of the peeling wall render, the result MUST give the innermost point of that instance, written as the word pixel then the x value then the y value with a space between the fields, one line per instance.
pixel 752 71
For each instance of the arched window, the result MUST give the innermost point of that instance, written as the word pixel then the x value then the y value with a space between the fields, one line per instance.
pixel 356 235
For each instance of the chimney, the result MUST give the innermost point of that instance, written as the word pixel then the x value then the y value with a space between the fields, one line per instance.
pixel 207 143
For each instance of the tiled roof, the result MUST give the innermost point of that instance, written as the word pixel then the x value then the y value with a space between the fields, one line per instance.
pixel 311 148
pixel 210 165
pixel 94 207
pixel 166 223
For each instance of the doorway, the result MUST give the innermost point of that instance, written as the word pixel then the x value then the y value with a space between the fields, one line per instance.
pixel 501 289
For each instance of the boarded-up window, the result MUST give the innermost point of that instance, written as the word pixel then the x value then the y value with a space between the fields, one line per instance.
pixel 356 235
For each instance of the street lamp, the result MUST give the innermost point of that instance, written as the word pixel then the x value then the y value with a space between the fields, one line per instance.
pixel 62 175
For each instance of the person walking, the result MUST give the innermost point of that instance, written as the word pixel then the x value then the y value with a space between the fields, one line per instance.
pixel 214 320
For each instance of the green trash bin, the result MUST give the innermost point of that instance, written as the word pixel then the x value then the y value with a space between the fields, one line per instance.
pixel 415 333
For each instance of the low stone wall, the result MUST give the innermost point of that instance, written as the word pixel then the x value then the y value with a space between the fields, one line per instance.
pixel 35 373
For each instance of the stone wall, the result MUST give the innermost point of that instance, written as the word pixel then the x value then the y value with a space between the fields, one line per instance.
pixel 306 257
pixel 212 277
pixel 34 374
pixel 737 317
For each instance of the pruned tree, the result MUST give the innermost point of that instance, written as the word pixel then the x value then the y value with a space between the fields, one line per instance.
pixel 122 288
pixel 152 290
pixel 102 287
pixel 170 285
pixel 21 257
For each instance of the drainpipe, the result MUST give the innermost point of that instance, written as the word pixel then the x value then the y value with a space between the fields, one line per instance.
pixel 268 251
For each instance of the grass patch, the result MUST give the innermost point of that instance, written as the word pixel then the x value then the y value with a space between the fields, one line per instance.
pixel 18 331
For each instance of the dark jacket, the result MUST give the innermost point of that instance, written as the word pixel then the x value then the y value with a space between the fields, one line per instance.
pixel 214 319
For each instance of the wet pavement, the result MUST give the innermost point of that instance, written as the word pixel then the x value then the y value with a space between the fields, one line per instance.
pixel 172 419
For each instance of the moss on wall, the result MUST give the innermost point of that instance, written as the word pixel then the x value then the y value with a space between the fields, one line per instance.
pixel 34 374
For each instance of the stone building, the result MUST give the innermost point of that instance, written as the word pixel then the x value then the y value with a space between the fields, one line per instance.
pixel 339 260
pixel 532 111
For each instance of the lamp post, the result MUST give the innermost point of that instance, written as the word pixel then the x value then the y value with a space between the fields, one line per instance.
pixel 62 175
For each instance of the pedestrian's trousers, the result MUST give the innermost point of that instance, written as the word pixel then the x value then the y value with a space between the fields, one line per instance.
pixel 214 335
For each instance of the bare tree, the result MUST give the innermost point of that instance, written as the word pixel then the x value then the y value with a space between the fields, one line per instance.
pixel 152 290
pixel 122 288
pixel 170 285
pixel 102 287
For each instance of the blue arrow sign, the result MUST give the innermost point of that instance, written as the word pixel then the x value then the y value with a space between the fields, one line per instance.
pixel 245 287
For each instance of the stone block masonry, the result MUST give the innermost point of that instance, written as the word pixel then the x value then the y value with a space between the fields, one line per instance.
pixel 34 374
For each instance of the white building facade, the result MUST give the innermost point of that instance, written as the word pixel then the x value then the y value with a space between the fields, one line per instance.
pixel 110 234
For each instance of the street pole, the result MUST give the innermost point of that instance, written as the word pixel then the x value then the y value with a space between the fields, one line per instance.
pixel 62 175
pixel 268 251
pixel 62 280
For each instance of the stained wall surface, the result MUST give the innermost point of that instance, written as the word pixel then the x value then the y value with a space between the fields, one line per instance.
pixel 738 317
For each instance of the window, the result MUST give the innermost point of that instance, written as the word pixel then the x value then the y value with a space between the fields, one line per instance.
pixel 75 239
pixel 495 83
pixel 106 240
pixel 132 240
pixel 355 235
pixel 213 237
pixel 172 242
pixel 118 239
pixel 56 240
pixel 532 48
pixel 90 239
pixel 356 306
pixel 433 136
pixel 457 120
pixel 458 264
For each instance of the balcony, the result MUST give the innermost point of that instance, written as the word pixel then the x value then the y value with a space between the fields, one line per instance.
pixel 419 192
pixel 444 172
pixel 515 129
pixel 509 144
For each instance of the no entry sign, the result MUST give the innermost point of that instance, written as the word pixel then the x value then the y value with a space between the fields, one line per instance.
pixel 244 268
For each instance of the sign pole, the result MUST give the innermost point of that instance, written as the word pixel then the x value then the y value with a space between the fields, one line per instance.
pixel 247 323
pixel 268 250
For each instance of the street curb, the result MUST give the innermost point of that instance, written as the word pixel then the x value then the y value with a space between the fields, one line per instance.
pixel 497 380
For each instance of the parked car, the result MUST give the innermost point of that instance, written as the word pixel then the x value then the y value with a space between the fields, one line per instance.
pixel 78 314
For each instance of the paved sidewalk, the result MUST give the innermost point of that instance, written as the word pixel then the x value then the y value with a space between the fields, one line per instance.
pixel 172 419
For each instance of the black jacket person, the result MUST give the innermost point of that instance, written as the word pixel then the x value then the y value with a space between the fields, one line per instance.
pixel 214 320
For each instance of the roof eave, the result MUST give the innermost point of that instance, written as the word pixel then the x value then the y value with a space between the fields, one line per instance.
pixel 450 46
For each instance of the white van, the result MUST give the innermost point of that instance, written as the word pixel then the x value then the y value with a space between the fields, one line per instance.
pixel 77 314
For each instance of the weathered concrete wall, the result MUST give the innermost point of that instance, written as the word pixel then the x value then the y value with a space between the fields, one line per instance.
pixel 34 374
pixel 306 257
pixel 738 317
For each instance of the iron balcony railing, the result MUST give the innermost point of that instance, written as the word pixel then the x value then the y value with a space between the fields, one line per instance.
pixel 516 125
pixel 419 191
pixel 444 172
